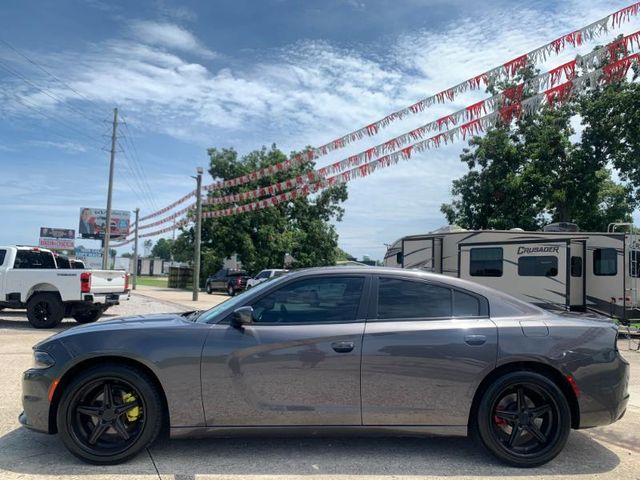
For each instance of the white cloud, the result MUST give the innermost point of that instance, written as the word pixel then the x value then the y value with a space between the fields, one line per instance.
pixel 70 147
pixel 169 35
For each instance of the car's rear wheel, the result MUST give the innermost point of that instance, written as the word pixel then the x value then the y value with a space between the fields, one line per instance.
pixel 524 419
pixel 45 310
pixel 209 289
pixel 109 413
pixel 87 316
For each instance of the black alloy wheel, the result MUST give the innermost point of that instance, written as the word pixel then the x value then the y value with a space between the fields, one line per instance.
pixel 109 414
pixel 524 419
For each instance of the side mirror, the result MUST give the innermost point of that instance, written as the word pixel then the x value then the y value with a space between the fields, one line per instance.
pixel 241 317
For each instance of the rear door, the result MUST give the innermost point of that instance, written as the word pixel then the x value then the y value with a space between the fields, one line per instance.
pixel 426 346
pixel 297 364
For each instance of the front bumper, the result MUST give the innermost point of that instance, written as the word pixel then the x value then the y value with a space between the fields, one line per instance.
pixel 35 400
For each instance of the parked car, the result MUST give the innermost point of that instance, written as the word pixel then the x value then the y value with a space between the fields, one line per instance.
pixel 30 278
pixel 360 348
pixel 227 280
pixel 265 275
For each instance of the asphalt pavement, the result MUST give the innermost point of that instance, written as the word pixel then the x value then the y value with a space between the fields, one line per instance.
pixel 611 452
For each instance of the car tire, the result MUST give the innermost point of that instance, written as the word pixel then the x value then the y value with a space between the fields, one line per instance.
pixel 83 413
pixel 231 291
pixel 209 289
pixel 45 310
pixel 87 316
pixel 523 419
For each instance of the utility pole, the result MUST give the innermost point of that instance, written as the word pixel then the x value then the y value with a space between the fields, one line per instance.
pixel 198 232
pixel 135 253
pixel 107 231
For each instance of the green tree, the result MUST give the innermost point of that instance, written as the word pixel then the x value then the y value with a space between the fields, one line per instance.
pixel 301 228
pixel 532 172
pixel 162 249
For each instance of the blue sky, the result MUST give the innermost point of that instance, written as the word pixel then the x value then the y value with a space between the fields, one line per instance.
pixel 197 74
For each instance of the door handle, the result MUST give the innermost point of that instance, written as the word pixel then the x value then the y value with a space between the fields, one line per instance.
pixel 475 340
pixel 343 347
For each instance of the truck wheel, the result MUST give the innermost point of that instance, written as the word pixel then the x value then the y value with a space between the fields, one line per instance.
pixel 87 316
pixel 45 310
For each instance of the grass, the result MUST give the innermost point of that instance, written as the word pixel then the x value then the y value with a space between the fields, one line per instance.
pixel 153 281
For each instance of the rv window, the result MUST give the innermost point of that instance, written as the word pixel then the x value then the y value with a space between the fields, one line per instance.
pixel 406 299
pixel 538 266
pixel 465 305
pixel 634 263
pixel 399 258
pixel 605 261
pixel 486 262
pixel 576 266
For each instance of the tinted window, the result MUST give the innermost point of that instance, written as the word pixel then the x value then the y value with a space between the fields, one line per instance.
pixel 486 262
pixel 63 262
pixel 3 253
pixel 538 266
pixel 264 274
pixel 634 263
pixel 314 300
pixel 605 261
pixel 465 305
pixel 407 299
pixel 34 259
pixel 576 266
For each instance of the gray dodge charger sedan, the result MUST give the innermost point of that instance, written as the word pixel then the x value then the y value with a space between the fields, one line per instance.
pixel 366 350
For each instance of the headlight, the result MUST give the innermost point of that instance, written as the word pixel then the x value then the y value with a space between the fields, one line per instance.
pixel 42 360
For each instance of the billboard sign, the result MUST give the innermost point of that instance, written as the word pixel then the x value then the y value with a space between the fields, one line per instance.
pixel 57 238
pixel 93 223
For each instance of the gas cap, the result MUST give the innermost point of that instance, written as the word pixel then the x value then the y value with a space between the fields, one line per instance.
pixel 534 328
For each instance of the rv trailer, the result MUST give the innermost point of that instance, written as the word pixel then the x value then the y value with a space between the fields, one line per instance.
pixel 557 270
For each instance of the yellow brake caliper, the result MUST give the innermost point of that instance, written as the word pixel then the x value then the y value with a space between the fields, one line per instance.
pixel 134 413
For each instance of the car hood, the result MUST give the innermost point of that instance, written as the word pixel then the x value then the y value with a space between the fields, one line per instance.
pixel 153 321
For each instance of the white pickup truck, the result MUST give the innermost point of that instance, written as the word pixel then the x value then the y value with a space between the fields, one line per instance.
pixel 31 279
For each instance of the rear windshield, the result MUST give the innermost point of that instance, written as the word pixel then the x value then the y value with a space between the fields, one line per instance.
pixel 237 273
pixel 63 262
pixel 34 259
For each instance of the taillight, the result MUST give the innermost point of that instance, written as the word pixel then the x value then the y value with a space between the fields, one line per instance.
pixel 239 281
pixel 85 282
pixel 126 281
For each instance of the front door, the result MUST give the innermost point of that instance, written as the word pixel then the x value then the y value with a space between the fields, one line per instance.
pixel 297 364
pixel 425 349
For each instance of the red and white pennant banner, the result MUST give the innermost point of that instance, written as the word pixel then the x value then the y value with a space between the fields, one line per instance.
pixel 173 216
pixel 169 207
pixel 507 70
pixel 506 98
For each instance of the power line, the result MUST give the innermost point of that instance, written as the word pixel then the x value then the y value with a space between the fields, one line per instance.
pixel 36 64
pixel 30 105
pixel 47 92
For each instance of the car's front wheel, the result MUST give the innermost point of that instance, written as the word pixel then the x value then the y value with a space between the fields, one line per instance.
pixel 524 419
pixel 209 289
pixel 109 413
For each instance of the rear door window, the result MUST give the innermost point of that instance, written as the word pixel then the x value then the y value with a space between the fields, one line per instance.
pixel 33 259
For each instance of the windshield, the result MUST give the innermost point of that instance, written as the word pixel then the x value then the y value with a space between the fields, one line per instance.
pixel 236 301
